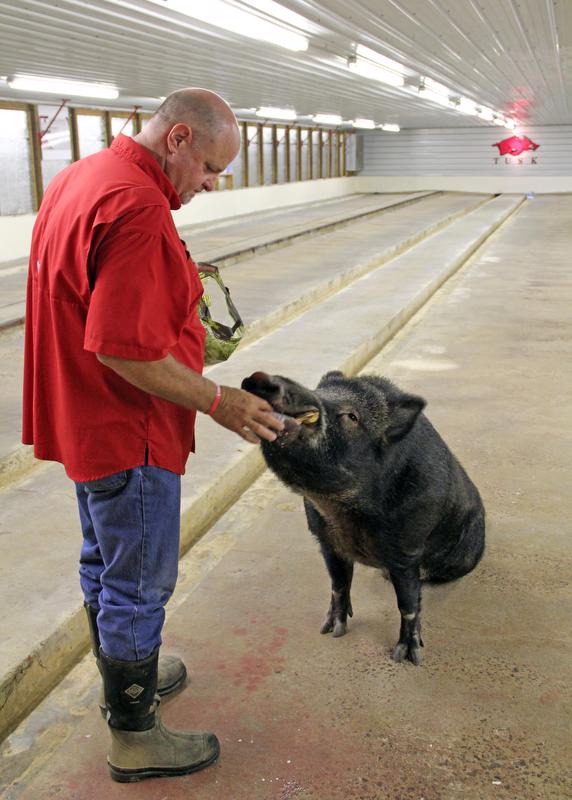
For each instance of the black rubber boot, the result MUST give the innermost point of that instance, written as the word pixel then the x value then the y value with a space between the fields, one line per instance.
pixel 141 747
pixel 172 671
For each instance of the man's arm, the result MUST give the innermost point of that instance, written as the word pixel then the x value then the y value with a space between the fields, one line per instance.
pixel 239 411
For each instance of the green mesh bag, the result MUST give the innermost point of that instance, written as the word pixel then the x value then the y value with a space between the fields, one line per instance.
pixel 221 340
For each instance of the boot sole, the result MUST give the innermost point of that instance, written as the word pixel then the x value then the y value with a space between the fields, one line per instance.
pixel 173 687
pixel 134 775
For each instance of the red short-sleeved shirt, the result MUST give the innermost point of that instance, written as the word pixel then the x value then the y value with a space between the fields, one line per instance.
pixel 108 274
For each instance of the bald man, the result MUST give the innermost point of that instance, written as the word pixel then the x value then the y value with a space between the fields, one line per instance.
pixel 112 384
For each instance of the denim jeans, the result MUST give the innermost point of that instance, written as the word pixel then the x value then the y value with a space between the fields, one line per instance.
pixel 130 554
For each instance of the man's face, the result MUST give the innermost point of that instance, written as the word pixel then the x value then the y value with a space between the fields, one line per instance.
pixel 194 163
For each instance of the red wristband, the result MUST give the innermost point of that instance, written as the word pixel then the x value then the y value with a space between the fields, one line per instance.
pixel 215 402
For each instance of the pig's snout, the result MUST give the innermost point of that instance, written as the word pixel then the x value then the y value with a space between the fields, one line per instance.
pixel 263 385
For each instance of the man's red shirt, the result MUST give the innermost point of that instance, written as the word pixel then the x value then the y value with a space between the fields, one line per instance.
pixel 108 274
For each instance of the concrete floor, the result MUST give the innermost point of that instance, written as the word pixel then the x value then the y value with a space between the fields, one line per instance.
pixel 304 716
pixel 38 549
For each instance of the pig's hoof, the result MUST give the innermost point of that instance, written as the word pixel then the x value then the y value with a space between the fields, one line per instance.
pixel 407 651
pixel 338 627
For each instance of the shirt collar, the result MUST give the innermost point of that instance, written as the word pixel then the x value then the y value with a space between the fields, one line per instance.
pixel 125 147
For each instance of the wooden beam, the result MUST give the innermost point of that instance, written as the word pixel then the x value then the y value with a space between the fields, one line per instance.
pixel 35 151
pixel 298 154
pixel 310 153
pixel 74 134
pixel 287 173
pixel 330 153
pixel 244 127
pixel 274 154
pixel 107 128
pixel 260 149
pixel 320 154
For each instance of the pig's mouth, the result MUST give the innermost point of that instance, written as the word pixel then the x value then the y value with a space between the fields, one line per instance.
pixel 308 417
pixel 298 423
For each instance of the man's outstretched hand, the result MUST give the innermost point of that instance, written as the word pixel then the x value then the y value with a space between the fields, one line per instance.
pixel 248 415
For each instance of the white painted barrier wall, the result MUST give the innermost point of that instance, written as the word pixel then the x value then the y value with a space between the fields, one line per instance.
pixel 16 232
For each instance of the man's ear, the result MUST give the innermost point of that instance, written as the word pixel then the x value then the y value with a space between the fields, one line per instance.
pixel 179 133
pixel 402 416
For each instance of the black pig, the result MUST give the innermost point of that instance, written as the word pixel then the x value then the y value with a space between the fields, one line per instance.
pixel 380 487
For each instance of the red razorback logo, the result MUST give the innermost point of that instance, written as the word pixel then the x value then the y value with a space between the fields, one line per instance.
pixel 515 145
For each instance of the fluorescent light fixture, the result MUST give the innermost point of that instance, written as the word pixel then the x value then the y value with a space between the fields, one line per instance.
pixel 435 92
pixel 363 123
pixel 486 113
pixel 435 86
pixel 467 106
pixel 237 20
pixel 499 121
pixel 271 112
pixel 327 119
pixel 368 70
pixel 390 127
pixel 388 63
pixel 274 9
pixel 510 124
pixel 435 97
pixel 63 88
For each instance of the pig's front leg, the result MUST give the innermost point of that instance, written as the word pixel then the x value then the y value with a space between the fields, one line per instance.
pixel 407 585
pixel 341 573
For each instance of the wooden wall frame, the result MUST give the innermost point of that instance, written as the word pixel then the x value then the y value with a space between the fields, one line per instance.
pixel 330 163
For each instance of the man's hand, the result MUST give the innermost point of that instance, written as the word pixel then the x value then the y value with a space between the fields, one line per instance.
pixel 239 411
pixel 246 414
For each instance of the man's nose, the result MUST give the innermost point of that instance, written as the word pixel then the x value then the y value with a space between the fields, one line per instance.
pixel 209 184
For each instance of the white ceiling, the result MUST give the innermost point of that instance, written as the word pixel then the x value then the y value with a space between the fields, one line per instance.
pixel 514 56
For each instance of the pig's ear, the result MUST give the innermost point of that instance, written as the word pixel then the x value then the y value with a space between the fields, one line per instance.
pixel 402 416
pixel 329 376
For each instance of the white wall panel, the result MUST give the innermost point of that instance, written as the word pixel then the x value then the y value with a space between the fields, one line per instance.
pixel 16 231
pixel 467 152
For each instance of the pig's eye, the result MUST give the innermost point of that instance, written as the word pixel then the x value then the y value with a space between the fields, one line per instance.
pixel 350 415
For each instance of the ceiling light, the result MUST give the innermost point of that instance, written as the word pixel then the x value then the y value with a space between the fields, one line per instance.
pixel 435 97
pixel 435 86
pixel 499 121
pixel 368 70
pixel 467 106
pixel 236 20
pixel 271 112
pixel 390 127
pixel 510 124
pixel 435 92
pixel 363 123
pixel 274 9
pixel 388 63
pixel 486 113
pixel 64 88
pixel 327 119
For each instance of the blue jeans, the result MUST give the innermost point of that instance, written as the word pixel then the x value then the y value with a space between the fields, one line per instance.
pixel 130 555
